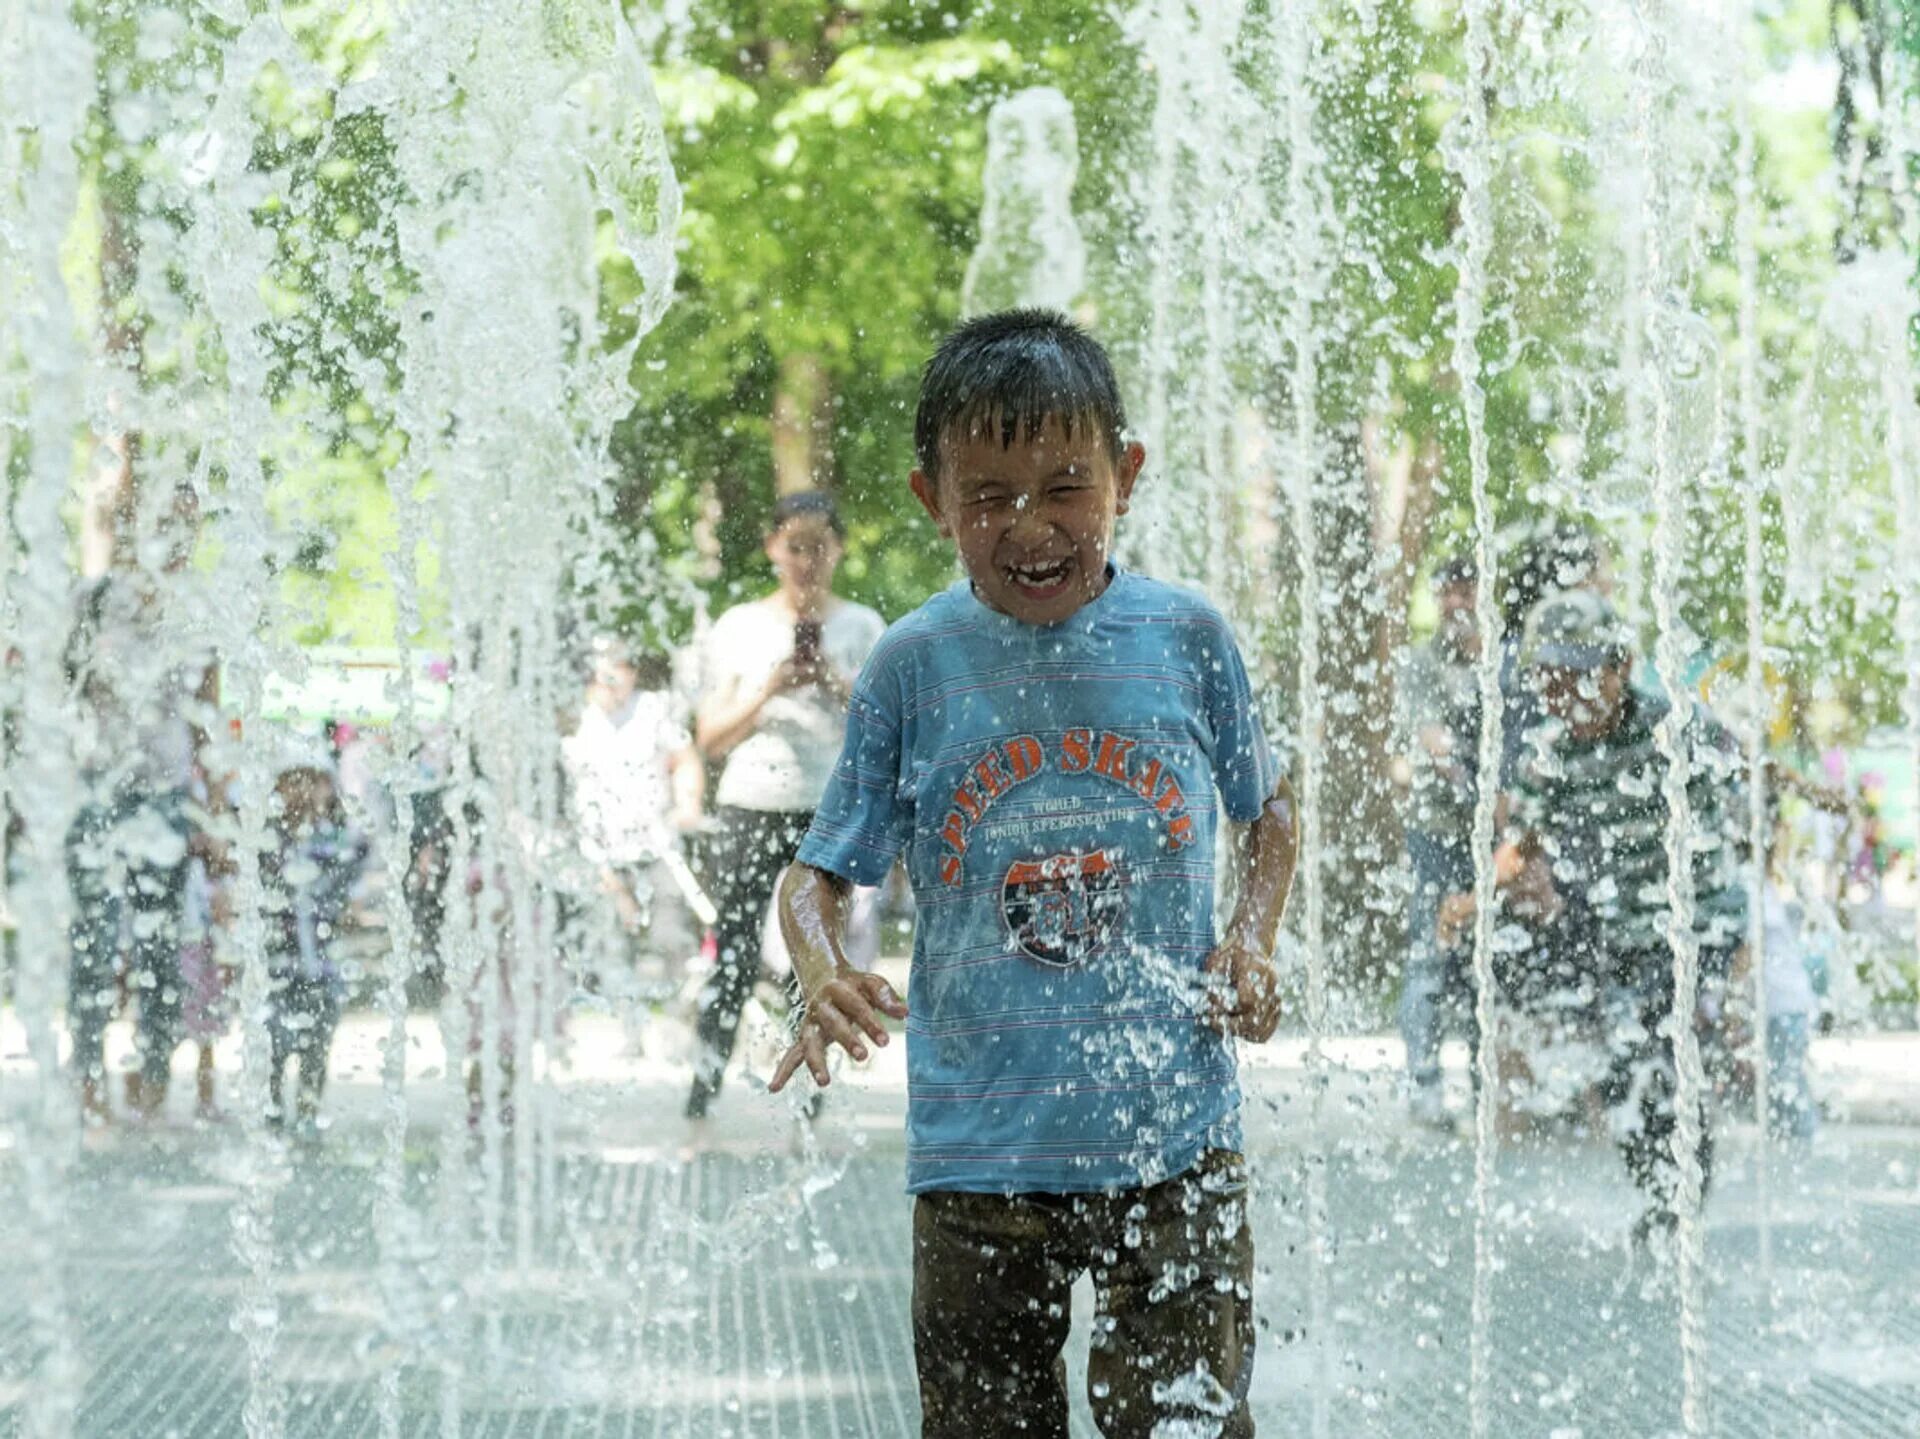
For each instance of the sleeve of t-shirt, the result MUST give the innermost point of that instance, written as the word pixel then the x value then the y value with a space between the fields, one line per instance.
pixel 862 822
pixel 1244 767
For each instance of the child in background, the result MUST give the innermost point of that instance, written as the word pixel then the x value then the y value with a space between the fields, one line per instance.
pixel 309 876
pixel 203 1008
pixel 1793 1001
pixel 1052 744
pixel 205 912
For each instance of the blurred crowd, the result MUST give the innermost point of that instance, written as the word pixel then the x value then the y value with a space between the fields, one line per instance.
pixel 688 780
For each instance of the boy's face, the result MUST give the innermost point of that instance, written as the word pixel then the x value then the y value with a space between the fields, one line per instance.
pixel 1033 520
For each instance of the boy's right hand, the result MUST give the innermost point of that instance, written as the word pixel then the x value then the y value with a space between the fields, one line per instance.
pixel 839 1012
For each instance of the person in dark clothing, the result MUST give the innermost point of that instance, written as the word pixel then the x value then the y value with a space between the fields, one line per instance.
pixel 136 745
pixel 1586 855
pixel 430 848
pixel 778 674
pixel 309 875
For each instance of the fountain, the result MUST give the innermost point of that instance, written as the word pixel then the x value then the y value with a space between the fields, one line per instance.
pixel 1382 280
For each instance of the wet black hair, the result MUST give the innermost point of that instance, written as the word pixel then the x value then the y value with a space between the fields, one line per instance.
pixel 1455 570
pixel 1015 370
pixel 806 502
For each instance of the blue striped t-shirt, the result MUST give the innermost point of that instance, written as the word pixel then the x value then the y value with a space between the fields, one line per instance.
pixel 1055 790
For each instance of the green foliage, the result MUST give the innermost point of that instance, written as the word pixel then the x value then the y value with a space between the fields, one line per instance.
pixel 830 160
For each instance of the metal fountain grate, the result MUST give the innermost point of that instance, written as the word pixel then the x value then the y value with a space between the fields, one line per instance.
pixel 736 1324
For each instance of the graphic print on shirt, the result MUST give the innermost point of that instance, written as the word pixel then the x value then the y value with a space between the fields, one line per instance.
pixel 1061 907
pixel 1065 908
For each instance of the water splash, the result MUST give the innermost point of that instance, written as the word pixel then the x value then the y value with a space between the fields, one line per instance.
pixel 1205 141
pixel 1900 381
pixel 1308 221
pixel 1472 159
pixel 1030 251
pixel 46 70
pixel 1753 486
pixel 1659 354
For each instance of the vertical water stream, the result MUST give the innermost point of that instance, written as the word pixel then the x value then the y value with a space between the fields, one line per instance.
pixel 1472 157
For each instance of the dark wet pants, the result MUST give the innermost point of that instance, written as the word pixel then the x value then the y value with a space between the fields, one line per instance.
pixel 1639 1092
pixel 1173 1336
pixel 749 851
pixel 126 857
pixel 1427 999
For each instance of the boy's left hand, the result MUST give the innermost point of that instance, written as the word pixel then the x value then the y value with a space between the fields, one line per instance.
pixel 1242 992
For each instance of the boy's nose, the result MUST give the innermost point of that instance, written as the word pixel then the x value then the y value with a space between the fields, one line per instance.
pixel 1027 522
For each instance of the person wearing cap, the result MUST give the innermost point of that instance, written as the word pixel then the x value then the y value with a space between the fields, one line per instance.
pixel 773 715
pixel 1584 864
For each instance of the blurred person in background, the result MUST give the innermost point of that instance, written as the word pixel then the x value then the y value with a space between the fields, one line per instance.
pixel 1585 859
pixel 429 865
pixel 637 784
pixel 308 874
pixel 141 692
pixel 205 914
pixel 773 713
pixel 1794 975
pixel 1551 557
pixel 1440 716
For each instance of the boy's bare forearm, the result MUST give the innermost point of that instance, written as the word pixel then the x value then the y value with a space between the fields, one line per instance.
pixel 1266 876
pixel 813 921
pixel 844 1006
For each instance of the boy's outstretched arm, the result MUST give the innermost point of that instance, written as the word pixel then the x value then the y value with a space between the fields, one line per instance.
pixel 1243 987
pixel 841 1001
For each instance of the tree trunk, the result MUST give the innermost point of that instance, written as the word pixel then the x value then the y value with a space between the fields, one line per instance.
pixel 1371 518
pixel 110 505
pixel 802 426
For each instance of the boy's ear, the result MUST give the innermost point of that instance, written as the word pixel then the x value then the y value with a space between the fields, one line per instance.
pixel 926 489
pixel 1132 458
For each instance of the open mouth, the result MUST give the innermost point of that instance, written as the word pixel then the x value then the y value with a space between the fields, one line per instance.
pixel 1040 580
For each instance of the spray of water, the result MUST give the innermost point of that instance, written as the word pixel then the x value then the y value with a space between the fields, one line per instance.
pixel 543 131
pixel 525 138
pixel 1753 488
pixel 1900 378
pixel 1030 251
pixel 1306 215
pixel 1198 142
pixel 1472 160
pixel 1651 414
pixel 46 69
pixel 227 252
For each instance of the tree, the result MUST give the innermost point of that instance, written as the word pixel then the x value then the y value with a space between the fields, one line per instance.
pixel 831 160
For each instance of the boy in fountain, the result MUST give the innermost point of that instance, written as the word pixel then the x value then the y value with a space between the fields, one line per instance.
pixel 1050 742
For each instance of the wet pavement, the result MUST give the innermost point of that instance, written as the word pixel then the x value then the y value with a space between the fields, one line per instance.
pixel 750 1277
